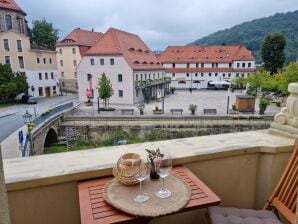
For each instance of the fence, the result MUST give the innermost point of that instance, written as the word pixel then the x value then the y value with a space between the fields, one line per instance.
pixel 42 118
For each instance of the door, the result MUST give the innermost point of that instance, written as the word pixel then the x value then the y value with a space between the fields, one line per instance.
pixel 48 91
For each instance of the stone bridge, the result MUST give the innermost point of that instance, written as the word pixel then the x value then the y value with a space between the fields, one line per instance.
pixel 48 130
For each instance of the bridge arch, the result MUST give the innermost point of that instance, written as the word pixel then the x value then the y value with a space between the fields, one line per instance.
pixel 51 137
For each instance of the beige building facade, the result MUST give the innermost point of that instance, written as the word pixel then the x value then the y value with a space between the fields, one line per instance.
pixel 69 54
pixel 36 63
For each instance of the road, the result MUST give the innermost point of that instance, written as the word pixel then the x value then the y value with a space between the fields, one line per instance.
pixel 11 118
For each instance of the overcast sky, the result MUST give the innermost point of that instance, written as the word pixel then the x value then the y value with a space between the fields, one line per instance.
pixel 158 22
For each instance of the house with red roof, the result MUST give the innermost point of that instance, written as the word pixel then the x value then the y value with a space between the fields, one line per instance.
pixel 193 67
pixel 134 71
pixel 69 54
pixel 37 63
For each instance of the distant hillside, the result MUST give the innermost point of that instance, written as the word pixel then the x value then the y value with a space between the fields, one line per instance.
pixel 251 34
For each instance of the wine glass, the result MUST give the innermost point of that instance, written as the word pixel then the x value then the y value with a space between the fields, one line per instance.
pixel 163 167
pixel 141 175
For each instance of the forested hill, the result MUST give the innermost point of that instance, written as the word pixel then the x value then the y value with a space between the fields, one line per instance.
pixel 251 34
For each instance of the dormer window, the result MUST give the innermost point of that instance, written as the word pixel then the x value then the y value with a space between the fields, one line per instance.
pixel 140 50
pixel 144 62
pixel 151 63
pixel 131 49
pixel 146 51
pixel 136 62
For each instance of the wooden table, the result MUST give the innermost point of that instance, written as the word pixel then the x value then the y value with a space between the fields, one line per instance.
pixel 94 210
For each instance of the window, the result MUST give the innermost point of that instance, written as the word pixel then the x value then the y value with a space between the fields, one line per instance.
pixel 209 74
pixel 229 74
pixel 145 76
pixel 120 93
pixel 92 61
pixel 149 76
pixel 223 75
pixel 238 65
pixel 187 74
pixel 102 61
pixel 237 74
pixel 187 65
pixel 52 75
pixel 40 76
pixel 173 74
pixel 216 65
pixel 40 91
pixel 153 75
pixel 249 64
pixel 7 60
pixel 243 75
pixel 60 51
pixel 73 50
pixel 19 45
pixel 119 77
pixel 137 76
pixel 50 60
pixel 202 65
pixel 45 60
pixel 46 75
pixel 196 74
pixel 243 65
pixel 230 65
pixel 202 74
pixel 137 92
pixel 63 84
pixel 173 65
pixel 6 44
pixel 212 65
pixel 8 22
pixel 216 74
pixel 197 65
pixel 37 60
pixel 21 61
pixel 54 90
pixel 21 25
pixel 112 61
pixel 62 74
pixel 141 76
pixel 74 63
pixel 248 74
pixel 76 75
pixel 61 63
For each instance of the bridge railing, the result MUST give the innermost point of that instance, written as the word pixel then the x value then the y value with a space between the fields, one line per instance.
pixel 42 118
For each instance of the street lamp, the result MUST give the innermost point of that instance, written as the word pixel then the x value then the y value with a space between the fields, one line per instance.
pixel 228 103
pixel 27 117
pixel 27 120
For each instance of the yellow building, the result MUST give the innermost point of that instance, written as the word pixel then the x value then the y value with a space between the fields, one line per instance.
pixel 36 63
pixel 69 54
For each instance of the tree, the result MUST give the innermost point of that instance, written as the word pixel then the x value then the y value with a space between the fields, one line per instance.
pixel 272 51
pixel 44 34
pixel 105 90
pixel 11 83
pixel 288 76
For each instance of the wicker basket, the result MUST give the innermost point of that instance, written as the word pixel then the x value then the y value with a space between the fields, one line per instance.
pixel 127 167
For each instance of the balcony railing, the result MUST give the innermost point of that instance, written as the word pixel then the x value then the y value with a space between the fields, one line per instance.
pixel 151 82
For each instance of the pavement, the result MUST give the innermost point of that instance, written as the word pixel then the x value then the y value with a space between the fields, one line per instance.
pixel 11 121
pixel 181 99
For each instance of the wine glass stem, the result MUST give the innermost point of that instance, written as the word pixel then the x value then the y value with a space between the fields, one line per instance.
pixel 163 183
pixel 141 186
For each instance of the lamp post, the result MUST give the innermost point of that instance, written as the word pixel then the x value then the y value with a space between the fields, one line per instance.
pixel 27 120
pixel 228 100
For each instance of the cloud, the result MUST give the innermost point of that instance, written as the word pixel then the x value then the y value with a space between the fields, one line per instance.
pixel 158 22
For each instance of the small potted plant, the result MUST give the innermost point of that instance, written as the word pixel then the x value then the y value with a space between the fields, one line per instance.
pixel 153 155
pixel 264 102
pixel 141 108
pixel 192 108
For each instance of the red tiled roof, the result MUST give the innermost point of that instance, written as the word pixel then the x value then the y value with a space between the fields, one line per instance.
pixel 135 51
pixel 80 37
pixel 201 54
pixel 11 5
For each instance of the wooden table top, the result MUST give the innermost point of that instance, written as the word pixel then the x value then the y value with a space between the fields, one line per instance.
pixel 94 210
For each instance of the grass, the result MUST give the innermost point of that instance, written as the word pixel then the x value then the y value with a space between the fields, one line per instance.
pixel 3 105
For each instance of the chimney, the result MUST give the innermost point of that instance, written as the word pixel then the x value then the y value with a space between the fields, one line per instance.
pixel 92 29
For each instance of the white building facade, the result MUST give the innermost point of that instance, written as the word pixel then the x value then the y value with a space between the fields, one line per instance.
pixel 194 66
pixel 134 72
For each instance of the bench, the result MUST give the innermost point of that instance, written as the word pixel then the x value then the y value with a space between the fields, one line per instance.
pixel 176 111
pixel 247 111
pixel 127 111
pixel 209 111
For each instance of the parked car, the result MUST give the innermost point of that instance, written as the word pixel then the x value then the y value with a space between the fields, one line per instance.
pixel 31 100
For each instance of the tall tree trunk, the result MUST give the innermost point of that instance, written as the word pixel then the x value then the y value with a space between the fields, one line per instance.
pixel 4 211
